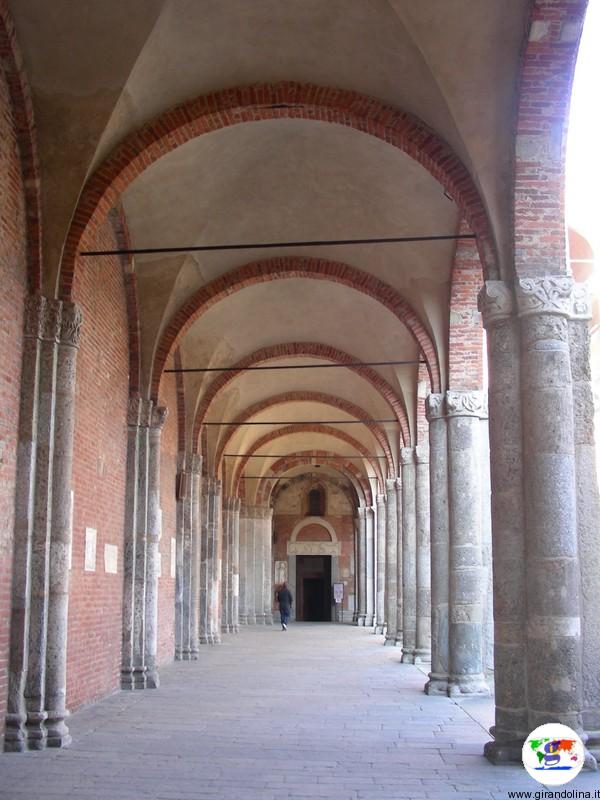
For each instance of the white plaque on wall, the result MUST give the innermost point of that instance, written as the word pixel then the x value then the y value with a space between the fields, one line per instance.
pixel 281 572
pixel 111 558
pixel 173 556
pixel 314 549
pixel 89 563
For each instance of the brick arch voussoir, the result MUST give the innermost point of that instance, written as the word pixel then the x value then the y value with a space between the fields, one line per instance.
pixel 260 102
pixel 300 349
pixel 291 429
pixel 263 271
pixel 305 458
pixel 24 125
pixel 309 397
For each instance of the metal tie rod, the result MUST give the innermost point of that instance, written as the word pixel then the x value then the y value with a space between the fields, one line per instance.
pixel 207 248
pixel 298 366
pixel 306 422
pixel 287 455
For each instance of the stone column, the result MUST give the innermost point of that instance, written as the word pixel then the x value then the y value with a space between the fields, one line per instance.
pixel 391 562
pixel 214 560
pixel 508 522
pixel 61 533
pixel 195 555
pixel 554 647
pixel 225 566
pixel 588 510
pixel 250 578
pixel 370 567
pixel 399 612
pixel 243 602
pixel 409 556
pixel 159 415
pixel 259 565
pixel 440 546
pixel 181 615
pixel 423 627
pixel 268 566
pixel 361 565
pixel 42 514
pixel 16 733
pixel 380 575
pixel 205 571
pixel 235 566
pixel 464 411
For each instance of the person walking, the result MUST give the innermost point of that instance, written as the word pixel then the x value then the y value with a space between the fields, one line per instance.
pixel 285 600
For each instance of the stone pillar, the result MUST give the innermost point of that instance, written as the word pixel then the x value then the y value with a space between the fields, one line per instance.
pixel 205 570
pixel 423 624
pixel 464 411
pixel 214 559
pixel 159 415
pixel 61 533
pixel 399 612
pixel 391 562
pixel 508 522
pixel 554 647
pixel 380 576
pixel 267 587
pixel 235 566
pixel 409 556
pixel 243 602
pixel 16 735
pixel 181 611
pixel 440 546
pixel 370 567
pixel 195 556
pixel 250 578
pixel 361 565
pixel 226 584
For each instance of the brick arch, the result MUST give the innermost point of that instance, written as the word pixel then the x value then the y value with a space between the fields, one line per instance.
pixel 299 349
pixel 294 267
pixel 305 458
pixel 24 126
pixel 261 102
pixel 290 429
pixel 309 397
pixel 547 70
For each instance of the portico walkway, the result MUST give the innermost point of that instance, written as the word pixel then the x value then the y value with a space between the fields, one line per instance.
pixel 319 711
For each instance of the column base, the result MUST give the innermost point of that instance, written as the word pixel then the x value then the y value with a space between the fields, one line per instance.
pixel 468 686
pixel 436 685
pixel 205 639
pixel 243 619
pixel 195 654
pixel 390 640
pixel 507 752
pixel 15 737
pixel 35 730
pixel 360 620
pixel 369 620
pixel 133 678
pixel 422 656
pixel 58 732
pixel 216 639
pixel 379 629
pixel 152 678
pixel 408 656
pixel 251 619
pixel 225 628
pixel 269 618
pixel 399 640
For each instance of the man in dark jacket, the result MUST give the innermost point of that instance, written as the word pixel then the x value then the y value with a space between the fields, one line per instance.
pixel 285 600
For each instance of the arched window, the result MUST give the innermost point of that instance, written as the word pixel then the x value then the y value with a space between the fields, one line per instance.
pixel 316 502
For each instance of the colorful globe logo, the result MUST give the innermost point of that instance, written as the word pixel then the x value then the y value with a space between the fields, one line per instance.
pixel 553 754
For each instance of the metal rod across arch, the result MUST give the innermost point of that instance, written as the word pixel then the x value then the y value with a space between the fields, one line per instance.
pixel 299 366
pixel 304 422
pixel 287 455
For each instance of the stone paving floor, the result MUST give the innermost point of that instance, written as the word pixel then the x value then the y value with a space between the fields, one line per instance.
pixel 320 711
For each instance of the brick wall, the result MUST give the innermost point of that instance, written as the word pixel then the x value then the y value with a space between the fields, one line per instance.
pixel 168 469
pixel 13 279
pixel 99 465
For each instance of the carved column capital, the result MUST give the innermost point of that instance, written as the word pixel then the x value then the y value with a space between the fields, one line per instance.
pixel 134 407
pixel 546 295
pixel 466 404
pixel 380 500
pixel 158 417
pixel 390 486
pixel 195 463
pixel 496 302
pixel 581 302
pixel 70 330
pixel 434 406
pixel 51 320
pixel 361 512
pixel 35 312
pixel 407 456
pixel 422 454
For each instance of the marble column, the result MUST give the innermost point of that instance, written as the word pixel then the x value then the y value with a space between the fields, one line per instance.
pixel 360 528
pixel 380 576
pixel 204 634
pixel 243 551
pixel 195 555
pixel 226 585
pixel 182 621
pixel 370 567
pixel 214 559
pixel 391 563
pixel 496 302
pixel 554 619
pixel 440 546
pixel 159 416
pixel 464 411
pixel 423 623
pixel 235 566
pixel 267 587
pixel 61 533
pixel 409 556
pixel 16 733
pixel 250 577
pixel 399 612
